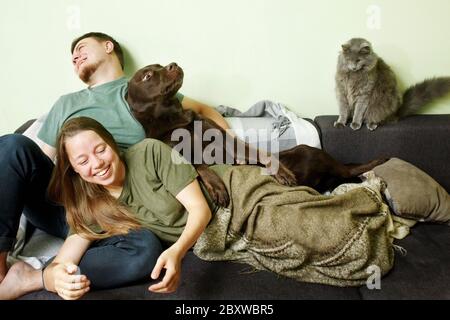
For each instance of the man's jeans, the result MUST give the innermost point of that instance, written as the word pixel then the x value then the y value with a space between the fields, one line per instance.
pixel 122 259
pixel 25 173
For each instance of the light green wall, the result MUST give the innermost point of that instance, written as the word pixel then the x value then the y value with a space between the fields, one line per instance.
pixel 234 52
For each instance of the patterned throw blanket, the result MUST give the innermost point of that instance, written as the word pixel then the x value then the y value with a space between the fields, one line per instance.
pixel 298 233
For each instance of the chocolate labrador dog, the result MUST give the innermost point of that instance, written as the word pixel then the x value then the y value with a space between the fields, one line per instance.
pixel 151 96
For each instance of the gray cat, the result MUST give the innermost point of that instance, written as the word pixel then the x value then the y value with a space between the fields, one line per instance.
pixel 367 90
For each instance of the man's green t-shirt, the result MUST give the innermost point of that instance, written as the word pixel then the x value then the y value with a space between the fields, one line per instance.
pixel 155 175
pixel 105 103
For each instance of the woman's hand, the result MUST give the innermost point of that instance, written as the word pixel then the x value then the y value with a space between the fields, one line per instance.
pixel 67 284
pixel 171 261
pixel 199 214
pixel 60 275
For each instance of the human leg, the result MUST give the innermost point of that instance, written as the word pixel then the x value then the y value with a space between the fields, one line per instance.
pixel 122 259
pixel 109 263
pixel 20 279
pixel 25 172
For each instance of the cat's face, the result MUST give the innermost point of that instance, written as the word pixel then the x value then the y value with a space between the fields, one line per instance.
pixel 357 54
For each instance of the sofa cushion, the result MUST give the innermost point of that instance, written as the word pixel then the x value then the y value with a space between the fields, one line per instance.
pixel 412 193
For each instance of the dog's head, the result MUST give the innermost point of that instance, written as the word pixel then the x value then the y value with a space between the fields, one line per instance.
pixel 153 88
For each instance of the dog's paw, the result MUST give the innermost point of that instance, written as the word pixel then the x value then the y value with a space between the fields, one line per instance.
pixel 355 126
pixel 220 197
pixel 285 176
pixel 214 185
pixel 338 124
pixel 372 126
pixel 218 192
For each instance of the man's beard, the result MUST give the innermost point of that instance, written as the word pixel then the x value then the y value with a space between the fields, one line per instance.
pixel 88 71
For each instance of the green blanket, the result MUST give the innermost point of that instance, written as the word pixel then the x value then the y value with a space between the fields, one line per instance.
pixel 299 233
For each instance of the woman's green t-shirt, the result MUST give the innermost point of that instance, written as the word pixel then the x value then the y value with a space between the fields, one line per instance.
pixel 155 175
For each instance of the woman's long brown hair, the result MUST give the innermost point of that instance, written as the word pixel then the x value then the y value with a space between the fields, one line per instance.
pixel 87 204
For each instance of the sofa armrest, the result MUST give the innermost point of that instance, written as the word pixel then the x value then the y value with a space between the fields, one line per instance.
pixel 423 140
pixel 24 126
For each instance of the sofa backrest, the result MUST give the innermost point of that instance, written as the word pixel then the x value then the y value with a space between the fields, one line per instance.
pixel 423 140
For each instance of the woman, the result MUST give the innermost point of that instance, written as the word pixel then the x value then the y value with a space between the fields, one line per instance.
pixel 119 210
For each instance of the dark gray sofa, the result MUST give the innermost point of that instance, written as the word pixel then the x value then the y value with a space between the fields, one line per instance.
pixel 423 273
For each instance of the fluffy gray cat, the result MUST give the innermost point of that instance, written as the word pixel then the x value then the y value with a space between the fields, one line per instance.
pixel 367 90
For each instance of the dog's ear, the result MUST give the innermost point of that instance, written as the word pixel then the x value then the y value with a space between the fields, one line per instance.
pixel 139 98
pixel 140 105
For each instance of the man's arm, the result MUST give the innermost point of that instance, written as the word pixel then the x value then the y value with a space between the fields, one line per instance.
pixel 205 111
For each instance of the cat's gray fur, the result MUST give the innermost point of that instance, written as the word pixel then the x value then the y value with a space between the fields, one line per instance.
pixel 367 89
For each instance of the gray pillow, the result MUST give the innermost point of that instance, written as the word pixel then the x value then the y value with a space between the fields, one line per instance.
pixel 412 193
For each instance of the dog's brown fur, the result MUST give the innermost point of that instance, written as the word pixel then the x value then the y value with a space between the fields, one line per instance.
pixel 151 96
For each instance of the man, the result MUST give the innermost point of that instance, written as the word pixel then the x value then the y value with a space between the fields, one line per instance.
pixel 25 169
pixel 98 61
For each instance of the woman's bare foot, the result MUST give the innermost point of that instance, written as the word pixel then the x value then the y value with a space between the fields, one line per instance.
pixel 20 279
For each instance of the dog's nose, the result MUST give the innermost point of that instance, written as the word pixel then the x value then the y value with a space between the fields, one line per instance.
pixel 171 66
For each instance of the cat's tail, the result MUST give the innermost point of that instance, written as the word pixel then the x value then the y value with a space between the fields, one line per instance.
pixel 423 93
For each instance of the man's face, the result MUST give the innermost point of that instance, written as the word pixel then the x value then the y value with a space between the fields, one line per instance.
pixel 87 56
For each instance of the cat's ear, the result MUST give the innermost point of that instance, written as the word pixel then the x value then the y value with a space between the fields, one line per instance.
pixel 365 49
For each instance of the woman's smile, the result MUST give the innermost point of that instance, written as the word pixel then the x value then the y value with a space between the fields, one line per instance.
pixel 105 173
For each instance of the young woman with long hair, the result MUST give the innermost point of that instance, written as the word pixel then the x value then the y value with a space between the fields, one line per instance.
pixel 121 211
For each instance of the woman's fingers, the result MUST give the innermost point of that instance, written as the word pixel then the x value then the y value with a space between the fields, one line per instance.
pixel 157 268
pixel 163 288
pixel 170 260
pixel 168 284
pixel 72 294
pixel 72 286
pixel 74 278
pixel 75 284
